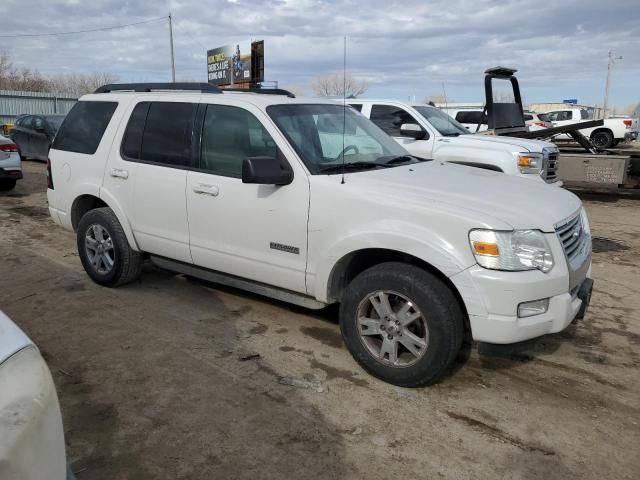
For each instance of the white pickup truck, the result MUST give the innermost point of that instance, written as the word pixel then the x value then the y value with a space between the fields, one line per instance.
pixel 614 130
pixel 428 132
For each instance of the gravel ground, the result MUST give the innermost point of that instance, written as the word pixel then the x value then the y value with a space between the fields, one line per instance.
pixel 155 383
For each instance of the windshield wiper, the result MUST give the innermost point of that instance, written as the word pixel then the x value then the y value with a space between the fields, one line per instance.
pixel 403 159
pixel 451 134
pixel 349 166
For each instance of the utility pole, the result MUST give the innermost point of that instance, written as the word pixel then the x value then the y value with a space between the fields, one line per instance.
pixel 173 64
pixel 606 87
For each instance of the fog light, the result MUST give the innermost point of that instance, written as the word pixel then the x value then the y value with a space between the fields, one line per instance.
pixel 529 309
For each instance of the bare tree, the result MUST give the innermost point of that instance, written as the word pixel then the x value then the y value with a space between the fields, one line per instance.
pixel 337 85
pixel 13 78
pixel 78 83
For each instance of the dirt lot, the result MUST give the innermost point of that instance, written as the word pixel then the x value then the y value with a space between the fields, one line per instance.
pixel 152 385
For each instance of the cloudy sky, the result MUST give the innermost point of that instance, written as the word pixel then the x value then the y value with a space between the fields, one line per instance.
pixel 404 48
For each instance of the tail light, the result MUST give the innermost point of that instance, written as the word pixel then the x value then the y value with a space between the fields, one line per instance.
pixel 49 176
pixel 540 124
pixel 627 123
pixel 8 147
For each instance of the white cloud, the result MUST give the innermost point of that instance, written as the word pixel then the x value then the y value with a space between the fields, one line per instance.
pixel 403 47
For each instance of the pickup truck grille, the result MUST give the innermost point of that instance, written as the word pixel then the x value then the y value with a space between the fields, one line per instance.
pixel 550 163
pixel 572 236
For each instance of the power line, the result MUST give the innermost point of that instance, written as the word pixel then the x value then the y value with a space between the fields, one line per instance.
pixel 82 31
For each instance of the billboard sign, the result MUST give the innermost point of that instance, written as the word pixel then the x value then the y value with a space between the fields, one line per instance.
pixel 235 63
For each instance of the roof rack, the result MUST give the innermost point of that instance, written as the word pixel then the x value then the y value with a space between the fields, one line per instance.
pixel 148 87
pixel 264 91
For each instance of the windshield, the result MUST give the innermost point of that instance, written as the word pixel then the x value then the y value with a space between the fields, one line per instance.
pixel 316 133
pixel 55 121
pixel 443 123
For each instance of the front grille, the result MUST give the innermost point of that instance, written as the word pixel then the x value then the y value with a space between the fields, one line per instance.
pixel 550 163
pixel 572 236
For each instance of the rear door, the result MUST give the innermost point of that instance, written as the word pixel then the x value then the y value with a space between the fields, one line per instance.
pixel 149 175
pixel 20 135
pixel 39 138
pixel 471 118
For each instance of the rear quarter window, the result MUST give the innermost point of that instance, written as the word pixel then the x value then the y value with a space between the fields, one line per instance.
pixel 84 126
pixel 472 116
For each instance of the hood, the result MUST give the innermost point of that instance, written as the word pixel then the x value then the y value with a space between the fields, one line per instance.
pixel 486 198
pixel 12 339
pixel 509 143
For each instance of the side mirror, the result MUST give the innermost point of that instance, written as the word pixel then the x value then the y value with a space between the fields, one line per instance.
pixel 266 171
pixel 413 130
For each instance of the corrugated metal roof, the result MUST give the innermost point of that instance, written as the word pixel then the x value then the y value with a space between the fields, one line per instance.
pixel 14 103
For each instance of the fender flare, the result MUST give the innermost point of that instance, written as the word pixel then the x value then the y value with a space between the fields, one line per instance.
pixel 114 205
pixel 432 252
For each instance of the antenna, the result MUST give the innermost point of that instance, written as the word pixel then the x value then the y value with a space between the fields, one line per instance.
pixel 446 104
pixel 344 100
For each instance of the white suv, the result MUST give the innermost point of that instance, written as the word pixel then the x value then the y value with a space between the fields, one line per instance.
pixel 256 192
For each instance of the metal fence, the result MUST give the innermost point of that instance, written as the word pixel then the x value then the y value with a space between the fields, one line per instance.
pixel 14 103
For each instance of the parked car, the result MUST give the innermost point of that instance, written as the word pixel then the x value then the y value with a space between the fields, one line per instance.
pixel 536 121
pixel 10 165
pixel 614 130
pixel 428 132
pixel 248 190
pixel 34 133
pixel 32 442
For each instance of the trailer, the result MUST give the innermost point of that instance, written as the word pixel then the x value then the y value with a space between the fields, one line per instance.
pixel 586 166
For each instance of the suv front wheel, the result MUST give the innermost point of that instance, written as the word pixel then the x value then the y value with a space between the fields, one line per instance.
pixel 104 250
pixel 402 324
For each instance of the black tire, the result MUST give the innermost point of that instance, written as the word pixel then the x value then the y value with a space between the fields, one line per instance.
pixel 127 263
pixel 7 184
pixel 602 139
pixel 445 322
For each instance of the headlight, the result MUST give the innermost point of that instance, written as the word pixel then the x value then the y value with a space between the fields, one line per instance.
pixel 512 251
pixel 529 162
pixel 585 222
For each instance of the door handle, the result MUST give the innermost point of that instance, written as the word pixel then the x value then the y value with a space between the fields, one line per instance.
pixel 205 189
pixel 118 173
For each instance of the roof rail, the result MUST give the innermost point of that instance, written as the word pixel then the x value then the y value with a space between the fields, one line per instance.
pixel 148 87
pixel 264 91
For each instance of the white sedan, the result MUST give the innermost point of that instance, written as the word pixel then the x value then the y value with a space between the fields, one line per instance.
pixel 32 439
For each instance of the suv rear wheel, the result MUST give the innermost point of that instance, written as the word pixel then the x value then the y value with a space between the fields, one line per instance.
pixel 104 250
pixel 401 324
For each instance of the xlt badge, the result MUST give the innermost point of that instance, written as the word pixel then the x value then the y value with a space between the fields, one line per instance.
pixel 284 248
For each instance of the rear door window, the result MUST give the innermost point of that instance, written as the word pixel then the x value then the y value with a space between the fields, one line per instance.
pixel 357 106
pixel 160 132
pixel 390 118
pixel 474 117
pixel 84 126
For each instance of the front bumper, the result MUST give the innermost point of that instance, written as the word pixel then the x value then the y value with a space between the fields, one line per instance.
pixel 492 298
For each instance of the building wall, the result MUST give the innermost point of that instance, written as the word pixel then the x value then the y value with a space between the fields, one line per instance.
pixel 14 103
